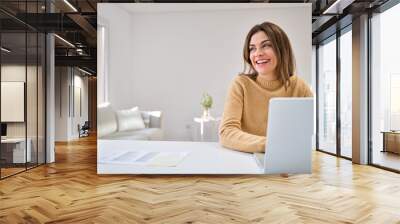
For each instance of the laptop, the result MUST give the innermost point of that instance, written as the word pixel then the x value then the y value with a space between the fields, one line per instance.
pixel 289 136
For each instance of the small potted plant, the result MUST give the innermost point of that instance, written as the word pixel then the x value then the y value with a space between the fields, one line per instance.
pixel 206 102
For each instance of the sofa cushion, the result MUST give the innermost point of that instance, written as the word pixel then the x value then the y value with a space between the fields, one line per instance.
pixel 152 119
pixel 106 120
pixel 146 118
pixel 155 119
pixel 130 119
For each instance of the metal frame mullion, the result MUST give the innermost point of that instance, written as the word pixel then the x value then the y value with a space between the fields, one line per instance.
pixel 369 89
pixel 0 97
pixel 338 98
pixel 37 90
pixel 44 70
pixel 26 86
pixel 317 96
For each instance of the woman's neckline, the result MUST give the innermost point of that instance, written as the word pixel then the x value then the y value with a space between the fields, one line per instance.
pixel 268 84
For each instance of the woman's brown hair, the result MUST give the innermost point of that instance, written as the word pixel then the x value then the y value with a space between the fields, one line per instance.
pixel 281 45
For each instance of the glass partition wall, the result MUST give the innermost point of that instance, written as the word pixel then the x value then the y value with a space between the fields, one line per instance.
pixel 13 86
pixel 327 95
pixel 334 78
pixel 22 77
pixel 334 96
pixel 346 92
pixel 385 90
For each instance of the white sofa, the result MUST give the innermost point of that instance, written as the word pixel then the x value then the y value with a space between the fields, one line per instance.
pixel 108 125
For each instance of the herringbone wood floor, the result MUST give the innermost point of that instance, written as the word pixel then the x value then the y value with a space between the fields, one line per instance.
pixel 70 191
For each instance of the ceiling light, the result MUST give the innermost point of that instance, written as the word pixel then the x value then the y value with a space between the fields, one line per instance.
pixel 64 40
pixel 84 71
pixel 70 5
pixel 5 50
pixel 337 7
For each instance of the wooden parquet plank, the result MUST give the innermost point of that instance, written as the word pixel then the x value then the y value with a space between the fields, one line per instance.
pixel 70 191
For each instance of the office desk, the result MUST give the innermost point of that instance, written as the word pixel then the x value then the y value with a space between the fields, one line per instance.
pixel 203 158
pixel 391 141
pixel 15 148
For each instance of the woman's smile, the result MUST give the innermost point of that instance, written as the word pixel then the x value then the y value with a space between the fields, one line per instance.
pixel 262 55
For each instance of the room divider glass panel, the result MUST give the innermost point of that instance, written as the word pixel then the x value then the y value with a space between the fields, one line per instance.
pixel 385 87
pixel 41 89
pixel 32 82
pixel 41 79
pixel 346 93
pixel 327 96
pixel 32 95
pixel 22 61
pixel 14 153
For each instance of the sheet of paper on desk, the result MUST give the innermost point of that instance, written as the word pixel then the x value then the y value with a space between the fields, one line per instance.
pixel 146 158
pixel 167 158
pixel 124 158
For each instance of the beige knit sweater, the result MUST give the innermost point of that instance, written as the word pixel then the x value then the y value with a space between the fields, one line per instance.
pixel 244 121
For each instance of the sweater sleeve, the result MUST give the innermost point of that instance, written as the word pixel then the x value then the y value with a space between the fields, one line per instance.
pixel 306 90
pixel 230 132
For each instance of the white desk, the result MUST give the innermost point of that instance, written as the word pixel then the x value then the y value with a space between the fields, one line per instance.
pixel 203 158
pixel 18 149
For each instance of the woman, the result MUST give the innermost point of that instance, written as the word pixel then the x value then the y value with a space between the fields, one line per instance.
pixel 269 72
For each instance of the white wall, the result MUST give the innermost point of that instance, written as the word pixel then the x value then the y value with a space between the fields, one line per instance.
pixel 102 63
pixel 80 83
pixel 66 120
pixel 163 57
pixel 15 72
pixel 33 126
pixel 113 56
pixel 61 103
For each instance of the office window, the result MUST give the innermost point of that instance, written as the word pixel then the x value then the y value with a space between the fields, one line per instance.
pixel 385 89
pixel 346 93
pixel 394 101
pixel 327 96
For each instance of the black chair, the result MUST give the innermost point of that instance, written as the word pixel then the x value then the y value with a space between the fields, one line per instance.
pixel 84 129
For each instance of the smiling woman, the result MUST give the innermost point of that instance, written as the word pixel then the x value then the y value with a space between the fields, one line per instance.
pixel 269 72
pixel 163 57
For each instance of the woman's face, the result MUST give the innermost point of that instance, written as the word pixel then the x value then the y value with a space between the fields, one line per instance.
pixel 262 55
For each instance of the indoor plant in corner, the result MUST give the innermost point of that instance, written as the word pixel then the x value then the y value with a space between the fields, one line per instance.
pixel 206 103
